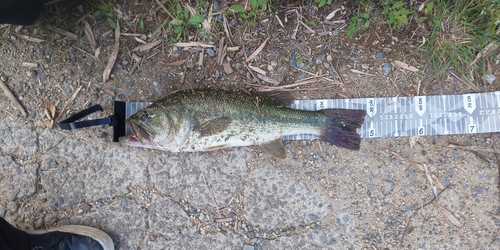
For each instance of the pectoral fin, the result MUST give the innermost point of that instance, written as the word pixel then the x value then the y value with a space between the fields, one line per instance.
pixel 276 148
pixel 214 126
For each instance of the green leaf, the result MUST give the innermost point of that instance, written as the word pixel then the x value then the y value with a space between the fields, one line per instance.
pixel 398 5
pixel 186 14
pixel 321 3
pixel 367 24
pixel 6 32
pixel 254 4
pixel 238 8
pixel 111 23
pixel 428 8
pixel 175 22
pixel 197 19
pixel 179 30
pixel 364 15
pixel 141 24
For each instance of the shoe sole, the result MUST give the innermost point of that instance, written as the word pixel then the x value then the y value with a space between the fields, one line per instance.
pixel 94 233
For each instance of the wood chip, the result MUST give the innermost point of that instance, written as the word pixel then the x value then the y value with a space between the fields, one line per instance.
pixel 257 69
pixel 233 49
pixel 268 79
pixel 257 51
pixel 29 65
pixel 11 96
pixel 176 63
pixel 450 216
pixel 31 39
pixel 227 68
pixel 50 110
pixel 89 34
pixel 63 32
pixel 222 220
pixel 113 56
pixel 405 66
pixel 195 44
pixel 148 46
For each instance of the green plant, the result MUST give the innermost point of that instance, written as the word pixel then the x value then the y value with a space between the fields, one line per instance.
pixel 396 14
pixel 182 20
pixel 459 31
pixel 252 14
pixel 106 9
pixel 321 3
pixel 357 21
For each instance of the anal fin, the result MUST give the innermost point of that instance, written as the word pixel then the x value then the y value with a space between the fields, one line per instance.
pixel 275 148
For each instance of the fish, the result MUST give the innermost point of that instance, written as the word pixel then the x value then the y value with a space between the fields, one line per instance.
pixel 212 119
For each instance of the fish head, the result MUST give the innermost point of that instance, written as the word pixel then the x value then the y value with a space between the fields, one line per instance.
pixel 155 127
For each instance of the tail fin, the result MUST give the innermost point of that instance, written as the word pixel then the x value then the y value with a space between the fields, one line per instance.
pixel 340 127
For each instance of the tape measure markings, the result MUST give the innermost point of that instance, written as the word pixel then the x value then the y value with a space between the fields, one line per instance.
pixel 406 116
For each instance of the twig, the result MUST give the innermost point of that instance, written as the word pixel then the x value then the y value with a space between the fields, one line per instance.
pixel 67 104
pixel 11 96
pixel 165 9
pixel 210 192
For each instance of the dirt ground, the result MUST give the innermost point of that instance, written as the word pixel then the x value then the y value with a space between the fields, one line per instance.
pixel 320 196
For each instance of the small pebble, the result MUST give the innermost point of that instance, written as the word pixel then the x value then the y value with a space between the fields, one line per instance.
pixel 127 92
pixel 365 66
pixel 211 52
pixel 379 56
pixel 488 78
pixel 386 69
pixel 319 62
pixel 8 159
pixel 248 247
pixel 80 184
pixel 125 62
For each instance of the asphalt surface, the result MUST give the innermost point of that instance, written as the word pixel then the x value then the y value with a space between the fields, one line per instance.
pixel 242 199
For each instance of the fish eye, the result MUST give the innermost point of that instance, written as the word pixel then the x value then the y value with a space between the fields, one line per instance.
pixel 144 116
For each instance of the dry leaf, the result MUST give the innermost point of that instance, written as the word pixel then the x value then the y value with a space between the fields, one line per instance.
pixel 31 39
pixel 147 46
pixel 63 32
pixel 50 111
pixel 90 35
pixel 405 66
pixel 176 63
pixel 195 44
pixel 413 141
pixel 257 69
pixel 360 72
pixel 113 56
pixel 430 180
pixel 268 79
pixel 438 182
pixel 68 103
pixel 257 51
pixel 450 216
pixel 332 14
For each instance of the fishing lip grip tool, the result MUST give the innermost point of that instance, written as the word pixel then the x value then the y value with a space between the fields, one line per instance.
pixel 386 116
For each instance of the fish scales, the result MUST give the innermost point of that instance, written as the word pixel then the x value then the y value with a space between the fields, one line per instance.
pixel 206 120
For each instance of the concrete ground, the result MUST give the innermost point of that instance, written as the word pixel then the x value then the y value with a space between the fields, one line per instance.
pixel 240 199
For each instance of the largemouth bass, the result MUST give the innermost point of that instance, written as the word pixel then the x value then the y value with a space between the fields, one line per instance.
pixel 205 120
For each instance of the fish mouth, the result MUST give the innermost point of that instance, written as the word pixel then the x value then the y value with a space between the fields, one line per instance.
pixel 139 135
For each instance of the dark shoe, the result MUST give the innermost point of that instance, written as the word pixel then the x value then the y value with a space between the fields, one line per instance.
pixel 70 237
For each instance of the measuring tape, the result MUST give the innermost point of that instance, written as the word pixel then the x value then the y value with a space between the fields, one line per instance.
pixel 404 116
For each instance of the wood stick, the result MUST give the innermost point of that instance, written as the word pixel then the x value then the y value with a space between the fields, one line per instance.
pixel 11 96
